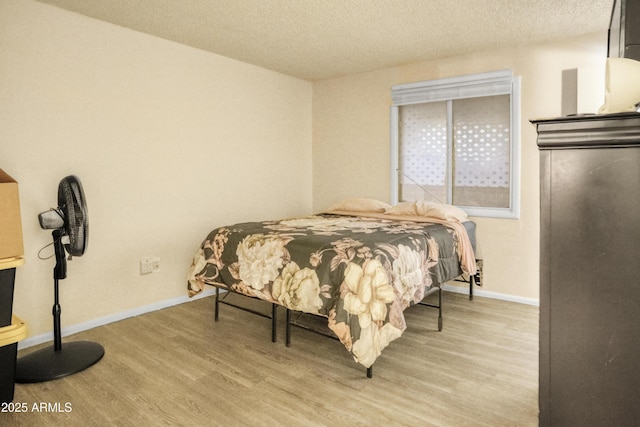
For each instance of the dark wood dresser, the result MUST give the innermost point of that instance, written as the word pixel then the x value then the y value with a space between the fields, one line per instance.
pixel 590 270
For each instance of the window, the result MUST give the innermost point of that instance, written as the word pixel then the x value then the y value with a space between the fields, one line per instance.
pixel 456 141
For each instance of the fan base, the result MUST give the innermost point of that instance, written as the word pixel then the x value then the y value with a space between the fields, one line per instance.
pixel 48 364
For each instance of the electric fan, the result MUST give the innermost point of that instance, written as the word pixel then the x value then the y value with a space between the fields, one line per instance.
pixel 70 232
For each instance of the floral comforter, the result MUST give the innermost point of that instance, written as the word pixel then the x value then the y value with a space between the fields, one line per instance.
pixel 360 273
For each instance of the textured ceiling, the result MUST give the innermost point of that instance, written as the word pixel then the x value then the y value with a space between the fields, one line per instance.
pixel 322 39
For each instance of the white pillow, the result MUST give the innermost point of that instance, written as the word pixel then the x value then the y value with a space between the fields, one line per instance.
pixel 360 204
pixel 622 86
pixel 430 210
pixel 405 208
pixel 441 211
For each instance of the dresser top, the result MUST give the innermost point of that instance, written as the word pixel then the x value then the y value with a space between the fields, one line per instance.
pixel 589 131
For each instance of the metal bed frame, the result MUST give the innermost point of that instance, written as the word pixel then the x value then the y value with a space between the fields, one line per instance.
pixel 273 316
pixel 295 322
pixel 473 279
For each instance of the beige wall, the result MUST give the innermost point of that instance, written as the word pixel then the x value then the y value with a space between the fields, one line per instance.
pixel 351 155
pixel 168 142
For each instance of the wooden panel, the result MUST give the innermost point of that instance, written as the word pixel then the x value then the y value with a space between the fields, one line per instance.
pixel 545 288
pixel 594 245
pixel 590 241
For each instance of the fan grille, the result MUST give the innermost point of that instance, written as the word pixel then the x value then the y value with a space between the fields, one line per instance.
pixel 72 202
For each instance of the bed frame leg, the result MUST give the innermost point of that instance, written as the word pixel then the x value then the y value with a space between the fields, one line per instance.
pixel 216 305
pixel 471 283
pixel 370 372
pixel 273 322
pixel 440 309
pixel 288 328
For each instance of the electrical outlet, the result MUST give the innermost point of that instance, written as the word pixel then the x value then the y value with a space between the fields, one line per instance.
pixel 479 276
pixel 149 265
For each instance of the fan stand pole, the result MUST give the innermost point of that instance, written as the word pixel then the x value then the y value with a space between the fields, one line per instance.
pixel 58 361
pixel 59 272
pixel 57 334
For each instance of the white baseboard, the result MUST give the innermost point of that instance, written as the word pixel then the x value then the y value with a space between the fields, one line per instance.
pixel 93 323
pixel 494 295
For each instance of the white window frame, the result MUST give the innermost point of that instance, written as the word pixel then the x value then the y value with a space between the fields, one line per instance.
pixel 448 89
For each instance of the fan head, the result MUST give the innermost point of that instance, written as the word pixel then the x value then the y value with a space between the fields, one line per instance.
pixel 70 216
pixel 72 203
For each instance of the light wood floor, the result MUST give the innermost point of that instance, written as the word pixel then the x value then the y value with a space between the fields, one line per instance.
pixel 177 367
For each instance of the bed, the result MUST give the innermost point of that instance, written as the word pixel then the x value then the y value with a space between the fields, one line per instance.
pixel 359 265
